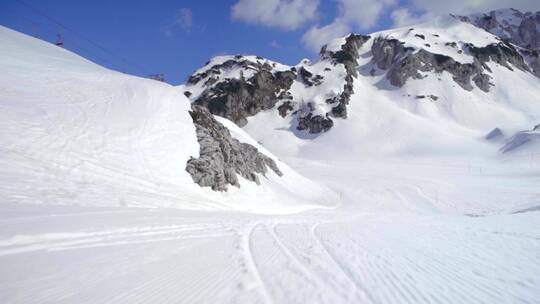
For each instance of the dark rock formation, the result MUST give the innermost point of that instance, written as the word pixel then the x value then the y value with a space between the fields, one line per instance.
pixel 223 157
pixel 386 52
pixel 348 57
pixel 403 63
pixel 348 54
pixel 237 99
pixel 525 33
pixel 502 53
pixel 285 108
pixel 315 123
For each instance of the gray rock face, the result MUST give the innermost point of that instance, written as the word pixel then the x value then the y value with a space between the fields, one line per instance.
pixel 502 53
pixel 386 52
pixel 315 123
pixel 522 29
pixel 403 63
pixel 268 88
pixel 518 28
pixel 237 99
pixel 348 54
pixel 348 57
pixel 223 157
pixel 533 60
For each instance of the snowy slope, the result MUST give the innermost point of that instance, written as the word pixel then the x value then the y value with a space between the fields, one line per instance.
pixel 74 133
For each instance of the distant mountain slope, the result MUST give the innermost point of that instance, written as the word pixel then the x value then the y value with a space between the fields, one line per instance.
pixel 75 133
pixel 438 86
pixel 521 29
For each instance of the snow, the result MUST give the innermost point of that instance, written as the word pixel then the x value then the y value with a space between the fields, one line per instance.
pixel 428 210
pixel 440 31
pixel 82 135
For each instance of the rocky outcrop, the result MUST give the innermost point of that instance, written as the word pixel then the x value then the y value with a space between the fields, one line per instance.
pixel 221 157
pixel 411 65
pixel 522 29
pixel 238 98
pixel 348 56
pixel 404 63
pixel 315 123
pixel 309 79
pixel 241 86
pixel 518 28
pixel 533 60
pixel 387 52
pixel 502 53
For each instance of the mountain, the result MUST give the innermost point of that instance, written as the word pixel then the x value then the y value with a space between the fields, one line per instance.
pixel 439 86
pixel 75 133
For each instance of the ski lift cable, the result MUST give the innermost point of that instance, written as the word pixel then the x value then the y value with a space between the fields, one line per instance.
pixel 95 44
pixel 47 28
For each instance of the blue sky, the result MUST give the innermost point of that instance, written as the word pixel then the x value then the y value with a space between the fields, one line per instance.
pixel 177 37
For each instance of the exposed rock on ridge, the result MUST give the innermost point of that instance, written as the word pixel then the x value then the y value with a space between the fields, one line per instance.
pixel 223 157
pixel 237 99
pixel 261 85
pixel 348 57
pixel 403 62
pixel 521 29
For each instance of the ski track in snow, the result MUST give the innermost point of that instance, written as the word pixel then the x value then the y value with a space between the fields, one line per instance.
pixel 171 257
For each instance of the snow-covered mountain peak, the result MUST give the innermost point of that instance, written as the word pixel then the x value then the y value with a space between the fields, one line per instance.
pixel 522 28
pixel 448 70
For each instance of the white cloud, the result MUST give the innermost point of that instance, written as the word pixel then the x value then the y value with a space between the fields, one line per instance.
pixel 363 14
pixel 283 14
pixel 316 37
pixel 274 44
pixel 428 9
pixel 182 20
pixel 403 17
pixel 473 6
pixel 352 15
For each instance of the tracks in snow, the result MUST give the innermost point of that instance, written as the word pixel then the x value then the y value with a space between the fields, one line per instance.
pixel 294 268
pixel 373 260
pixel 145 256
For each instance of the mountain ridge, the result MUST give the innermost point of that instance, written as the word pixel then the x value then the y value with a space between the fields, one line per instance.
pixel 313 96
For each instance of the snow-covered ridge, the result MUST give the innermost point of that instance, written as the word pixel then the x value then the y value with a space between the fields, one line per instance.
pixel 448 70
pixel 75 133
pixel 410 60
